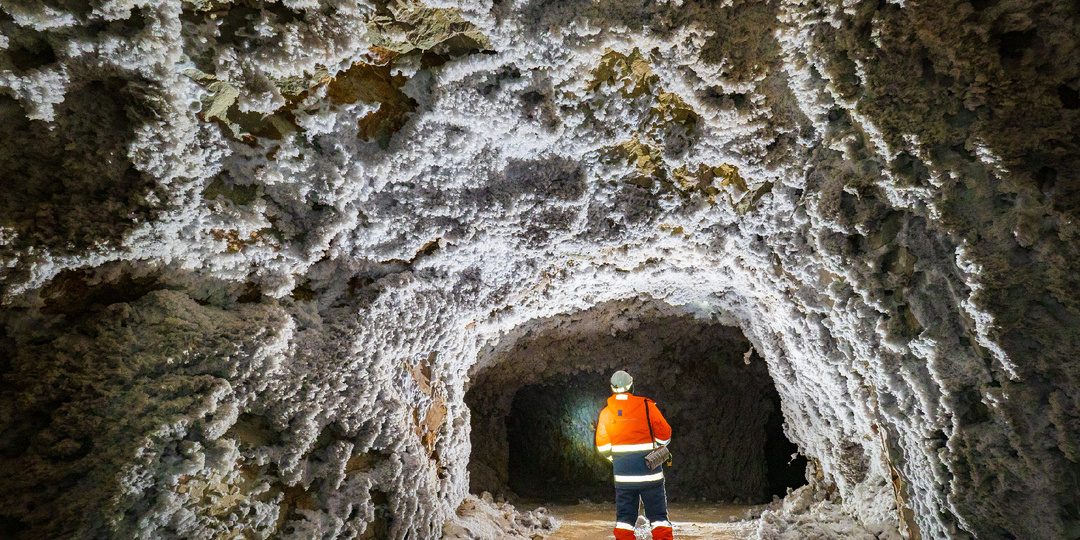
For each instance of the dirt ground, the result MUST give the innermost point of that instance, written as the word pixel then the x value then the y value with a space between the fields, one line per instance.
pixel 691 521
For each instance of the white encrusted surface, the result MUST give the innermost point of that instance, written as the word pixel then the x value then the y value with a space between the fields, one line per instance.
pixel 898 256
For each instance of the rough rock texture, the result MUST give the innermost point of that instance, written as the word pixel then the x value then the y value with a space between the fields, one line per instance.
pixel 480 518
pixel 252 249
pixel 811 514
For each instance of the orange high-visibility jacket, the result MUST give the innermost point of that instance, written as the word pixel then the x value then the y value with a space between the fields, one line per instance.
pixel 622 436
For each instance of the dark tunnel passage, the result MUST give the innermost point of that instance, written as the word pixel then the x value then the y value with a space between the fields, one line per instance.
pixel 534 413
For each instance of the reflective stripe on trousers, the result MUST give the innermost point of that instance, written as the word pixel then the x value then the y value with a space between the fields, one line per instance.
pixel 626 509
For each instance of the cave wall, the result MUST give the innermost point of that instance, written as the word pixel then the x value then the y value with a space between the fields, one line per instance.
pixel 548 429
pixel 252 250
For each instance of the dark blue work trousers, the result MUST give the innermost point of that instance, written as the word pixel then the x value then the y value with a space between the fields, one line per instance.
pixel 654 497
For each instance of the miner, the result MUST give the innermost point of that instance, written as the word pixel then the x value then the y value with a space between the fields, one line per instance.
pixel 633 435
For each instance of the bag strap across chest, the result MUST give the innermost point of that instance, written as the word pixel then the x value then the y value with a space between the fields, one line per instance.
pixel 652 438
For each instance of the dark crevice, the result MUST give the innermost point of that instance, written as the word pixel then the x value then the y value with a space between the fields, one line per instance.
pixel 379 528
pixel 785 466
pixel 77 187
pixel 31 50
pixel 1013 44
pixel 1070 98
pixel 71 292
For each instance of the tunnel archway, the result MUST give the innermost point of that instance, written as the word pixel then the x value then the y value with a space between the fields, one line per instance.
pixel 534 406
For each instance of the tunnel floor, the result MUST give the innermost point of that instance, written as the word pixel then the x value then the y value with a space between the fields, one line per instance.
pixel 690 521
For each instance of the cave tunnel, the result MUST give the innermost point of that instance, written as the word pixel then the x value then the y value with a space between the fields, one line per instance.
pixel 534 412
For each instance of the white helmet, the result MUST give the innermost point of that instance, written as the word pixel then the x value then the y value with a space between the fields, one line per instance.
pixel 621 382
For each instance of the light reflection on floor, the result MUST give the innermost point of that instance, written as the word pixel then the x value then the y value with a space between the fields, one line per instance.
pixel 691 521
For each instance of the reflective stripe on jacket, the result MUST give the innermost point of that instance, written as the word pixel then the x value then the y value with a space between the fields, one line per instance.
pixel 622 436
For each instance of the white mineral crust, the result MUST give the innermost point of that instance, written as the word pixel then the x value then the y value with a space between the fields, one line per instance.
pixel 388 274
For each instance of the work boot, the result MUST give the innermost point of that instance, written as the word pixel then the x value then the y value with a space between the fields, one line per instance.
pixel 624 531
pixel 661 530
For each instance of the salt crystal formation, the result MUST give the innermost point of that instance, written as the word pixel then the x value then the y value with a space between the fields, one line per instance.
pixel 253 251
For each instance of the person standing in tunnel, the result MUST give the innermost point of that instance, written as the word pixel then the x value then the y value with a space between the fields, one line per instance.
pixel 629 428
